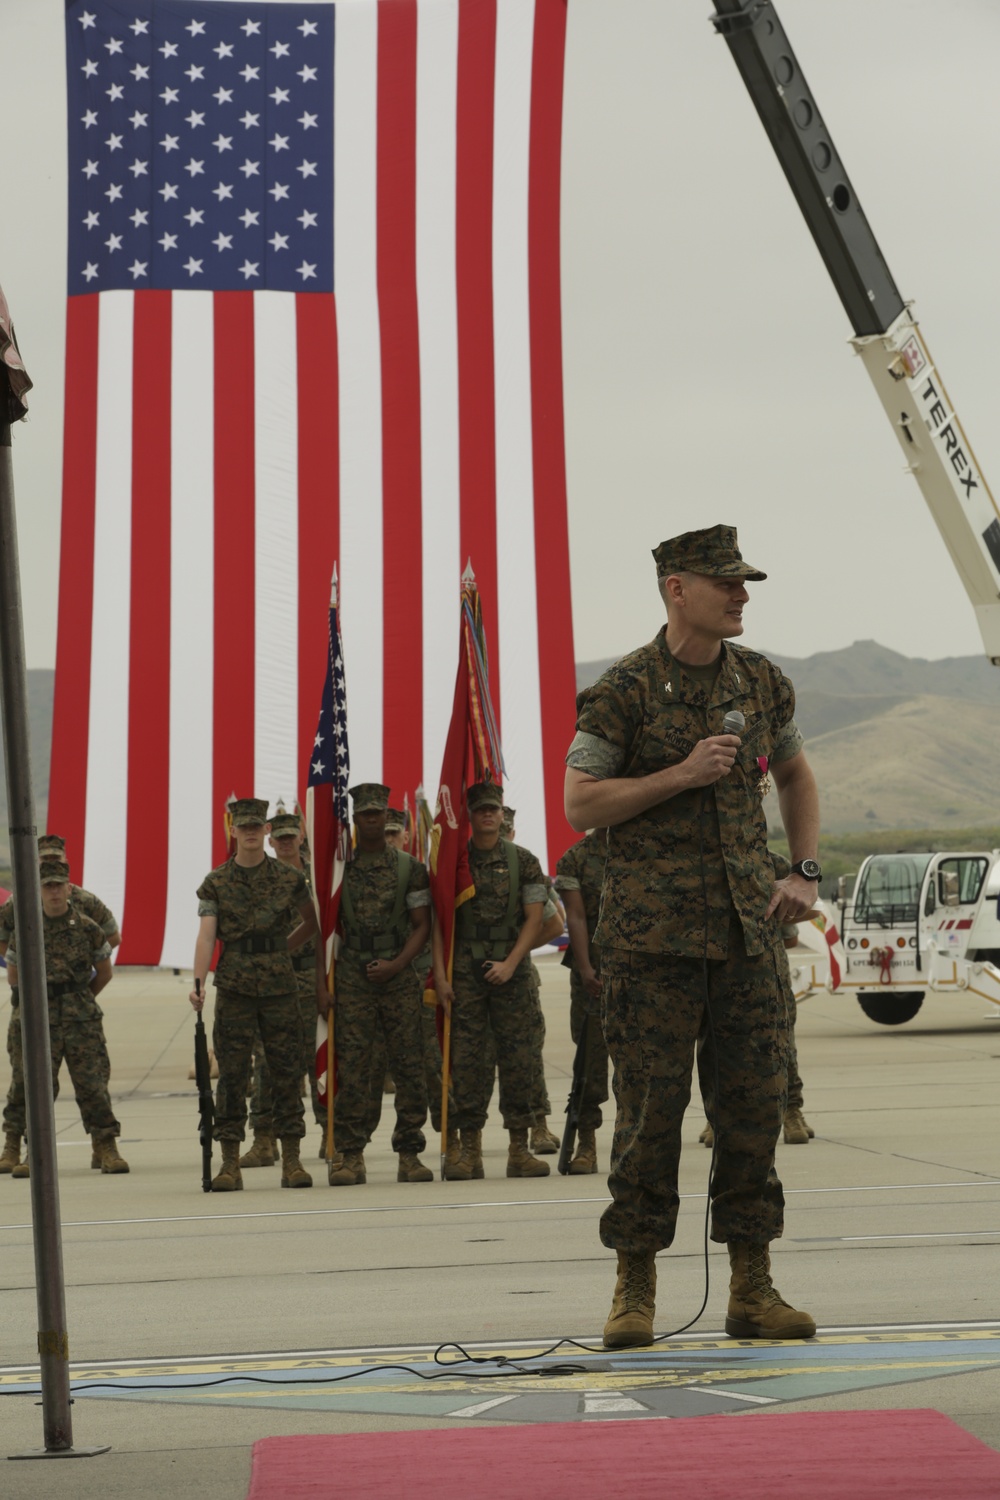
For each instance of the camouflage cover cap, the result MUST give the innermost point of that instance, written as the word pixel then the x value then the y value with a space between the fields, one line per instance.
pixel 713 552
pixel 395 820
pixel 51 841
pixel 484 794
pixel 248 811
pixel 369 796
pixel 285 823
pixel 53 871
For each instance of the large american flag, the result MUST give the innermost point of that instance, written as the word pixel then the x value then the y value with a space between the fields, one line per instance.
pixel 328 817
pixel 314 312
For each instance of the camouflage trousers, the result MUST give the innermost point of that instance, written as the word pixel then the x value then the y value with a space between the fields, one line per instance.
pixel 795 1090
pixel 261 1098
pixel 505 1015
pixel 239 1019
pixel 654 1020
pixel 539 1093
pixel 76 1033
pixel 432 1074
pixel 362 1009
pixel 584 1011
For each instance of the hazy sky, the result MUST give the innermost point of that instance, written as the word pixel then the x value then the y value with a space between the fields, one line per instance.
pixel 708 375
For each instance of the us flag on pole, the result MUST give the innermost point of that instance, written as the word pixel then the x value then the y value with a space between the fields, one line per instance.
pixel 314 313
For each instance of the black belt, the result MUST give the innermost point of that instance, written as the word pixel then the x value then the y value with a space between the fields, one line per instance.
pixel 303 961
pixel 372 945
pixel 258 942
pixel 56 991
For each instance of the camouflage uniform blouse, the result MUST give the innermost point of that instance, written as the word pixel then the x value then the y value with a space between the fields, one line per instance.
pixel 82 901
pixel 492 881
pixel 74 945
pixel 373 882
pixel 581 869
pixel 250 900
pixel 645 713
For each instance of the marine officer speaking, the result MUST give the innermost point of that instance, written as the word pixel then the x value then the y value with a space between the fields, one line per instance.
pixel 689 921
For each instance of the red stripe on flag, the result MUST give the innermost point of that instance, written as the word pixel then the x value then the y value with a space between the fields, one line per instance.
pixel 402 607
pixel 71 707
pixel 555 618
pixel 474 291
pixel 148 808
pixel 233 698
pixel 319 501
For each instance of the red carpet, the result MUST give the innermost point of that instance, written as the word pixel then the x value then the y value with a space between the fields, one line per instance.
pixel 874 1455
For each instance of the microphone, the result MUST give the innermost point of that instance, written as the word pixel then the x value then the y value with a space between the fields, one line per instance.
pixel 734 722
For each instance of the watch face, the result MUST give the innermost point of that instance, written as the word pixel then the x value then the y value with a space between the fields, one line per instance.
pixel 810 869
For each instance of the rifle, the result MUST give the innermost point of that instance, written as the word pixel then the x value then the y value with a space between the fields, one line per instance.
pixel 206 1101
pixel 575 1099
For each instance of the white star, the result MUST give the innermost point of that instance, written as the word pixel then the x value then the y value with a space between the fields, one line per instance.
pixel 280 49
pixel 141 216
pixel 114 242
pixel 308 168
pixel 139 27
pixel 278 191
pixel 249 268
pixel 249 73
pixel 280 96
pixel 252 28
pixel 167 191
pixel 248 120
pixel 115 92
pixel 139 72
pixel 87 20
pixel 113 45
pixel 196 168
pixel 113 142
pixel 248 217
pixel 92 220
pixel 223 242
pixel 192 266
pixel 137 119
pixel 223 96
pixel 90 170
pixel 113 193
pixel 194 119
pixel 307 219
pixel 169 49
pixel 90 271
pixel 224 190
pixel 169 96
pixel 169 143
pixel 307 75
pixel 308 122
pixel 306 270
pixel 138 268
pixel 194 73
pixel 195 216
pixel 223 143
pixel 223 50
pixel 196 28
pixel 250 169
pixel 168 241
pixel 90 118
pixel 308 28
pixel 317 767
pixel 138 168
pixel 278 241
pixel 89 69
pixel 279 142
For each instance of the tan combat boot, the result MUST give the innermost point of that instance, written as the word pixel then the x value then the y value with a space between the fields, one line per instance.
pixel 520 1162
pixel 228 1178
pixel 412 1169
pixel 469 1162
pixel 22 1169
pixel 707 1136
pixel 798 1131
pixel 347 1170
pixel 111 1162
pixel 585 1160
pixel 321 1154
pixel 756 1311
pixel 452 1148
pixel 261 1153
pixel 293 1173
pixel 543 1142
pixel 630 1321
pixel 11 1157
pixel 95 1152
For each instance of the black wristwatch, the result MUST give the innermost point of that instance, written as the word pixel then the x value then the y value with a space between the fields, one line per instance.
pixel 809 869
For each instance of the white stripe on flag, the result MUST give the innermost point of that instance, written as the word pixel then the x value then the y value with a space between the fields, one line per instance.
pixel 437 81
pixel 193 819
pixel 360 376
pixel 519 687
pixel 108 730
pixel 276 549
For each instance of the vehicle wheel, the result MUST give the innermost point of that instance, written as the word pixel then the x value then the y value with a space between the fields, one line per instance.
pixel 892 1010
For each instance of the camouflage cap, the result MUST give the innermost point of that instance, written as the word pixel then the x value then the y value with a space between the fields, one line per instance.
pixel 51 841
pixel 713 552
pixel 369 796
pixel 248 811
pixel 53 871
pixel 285 824
pixel 484 794
pixel 395 820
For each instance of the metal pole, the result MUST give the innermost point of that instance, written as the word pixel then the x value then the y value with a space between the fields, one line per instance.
pixel 53 1340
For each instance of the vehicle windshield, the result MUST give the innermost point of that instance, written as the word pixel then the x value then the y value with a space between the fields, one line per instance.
pixel 889 890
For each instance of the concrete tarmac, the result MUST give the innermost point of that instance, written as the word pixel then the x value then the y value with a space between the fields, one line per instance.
pixel 892 1227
